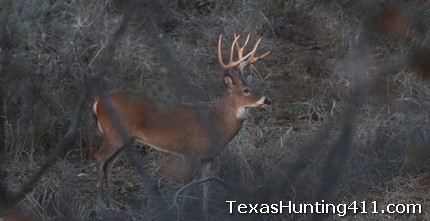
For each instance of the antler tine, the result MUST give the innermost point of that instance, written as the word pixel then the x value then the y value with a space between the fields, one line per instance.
pixel 221 63
pixel 230 64
pixel 240 49
pixel 232 48
pixel 252 58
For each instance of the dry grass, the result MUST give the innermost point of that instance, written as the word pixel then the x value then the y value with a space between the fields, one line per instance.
pixel 283 152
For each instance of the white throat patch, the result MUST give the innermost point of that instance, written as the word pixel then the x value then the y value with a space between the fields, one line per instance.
pixel 242 112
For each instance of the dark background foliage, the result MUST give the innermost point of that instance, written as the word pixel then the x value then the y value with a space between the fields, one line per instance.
pixel 349 119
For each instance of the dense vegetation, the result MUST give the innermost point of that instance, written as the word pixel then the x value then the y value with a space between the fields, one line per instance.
pixel 349 120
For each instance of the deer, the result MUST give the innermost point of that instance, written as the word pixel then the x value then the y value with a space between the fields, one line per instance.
pixel 197 134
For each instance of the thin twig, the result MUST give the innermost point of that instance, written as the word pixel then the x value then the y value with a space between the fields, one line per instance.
pixel 190 184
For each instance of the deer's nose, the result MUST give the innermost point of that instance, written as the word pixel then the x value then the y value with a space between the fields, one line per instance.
pixel 267 101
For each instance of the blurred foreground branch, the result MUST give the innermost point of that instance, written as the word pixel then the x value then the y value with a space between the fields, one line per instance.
pixel 92 84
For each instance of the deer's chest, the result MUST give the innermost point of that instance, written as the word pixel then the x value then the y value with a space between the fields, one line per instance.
pixel 242 113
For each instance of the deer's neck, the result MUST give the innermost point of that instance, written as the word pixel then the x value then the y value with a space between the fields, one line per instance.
pixel 228 117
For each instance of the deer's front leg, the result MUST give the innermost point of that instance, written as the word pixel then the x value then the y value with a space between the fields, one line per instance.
pixel 206 170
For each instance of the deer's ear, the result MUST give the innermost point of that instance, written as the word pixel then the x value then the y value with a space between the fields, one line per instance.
pixel 228 81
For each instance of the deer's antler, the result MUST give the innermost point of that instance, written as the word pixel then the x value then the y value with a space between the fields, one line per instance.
pixel 252 58
pixel 243 61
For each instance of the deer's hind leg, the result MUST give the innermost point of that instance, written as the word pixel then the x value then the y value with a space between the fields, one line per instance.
pixel 189 167
pixel 105 158
pixel 206 172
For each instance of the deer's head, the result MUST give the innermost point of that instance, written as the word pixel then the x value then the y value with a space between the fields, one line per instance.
pixel 237 82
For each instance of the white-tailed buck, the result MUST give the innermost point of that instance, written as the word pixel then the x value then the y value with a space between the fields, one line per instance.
pixel 195 133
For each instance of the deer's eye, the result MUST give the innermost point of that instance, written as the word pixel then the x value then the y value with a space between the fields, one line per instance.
pixel 246 91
